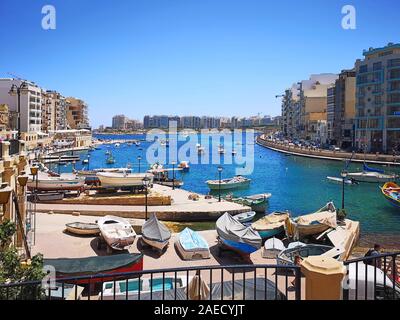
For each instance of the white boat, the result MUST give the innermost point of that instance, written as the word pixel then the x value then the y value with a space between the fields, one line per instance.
pixel 56 184
pixel 272 247
pixel 245 217
pixel 373 177
pixel 190 244
pixel 221 149
pixel 117 145
pixel 122 179
pixel 117 232
pixel 155 234
pixel 340 180
pixel 231 183
pixel 43 197
pixel 184 165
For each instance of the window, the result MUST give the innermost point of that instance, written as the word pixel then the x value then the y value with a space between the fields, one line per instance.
pixel 363 69
pixel 394 63
pixel 378 100
pixel 377 66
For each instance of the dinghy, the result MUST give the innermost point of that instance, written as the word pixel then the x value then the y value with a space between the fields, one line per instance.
pixel 287 256
pixel 236 236
pixel 227 184
pixel 391 192
pixel 272 247
pixel 117 232
pixel 245 217
pixel 83 228
pixel 191 244
pixel 271 225
pixel 155 234
pixel 340 180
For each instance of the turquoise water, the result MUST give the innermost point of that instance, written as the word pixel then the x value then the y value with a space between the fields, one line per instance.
pixel 297 184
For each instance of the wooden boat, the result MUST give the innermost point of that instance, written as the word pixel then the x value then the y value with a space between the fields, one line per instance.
pixel 258 202
pixel 155 234
pixel 119 179
pixel 391 192
pixel 227 184
pixel 245 216
pixel 97 265
pixel 117 232
pixel 271 225
pixel 287 256
pixel 190 244
pixel 55 184
pixel 340 180
pixel 272 247
pixel 43 197
pixel 313 223
pixel 237 237
pixel 83 228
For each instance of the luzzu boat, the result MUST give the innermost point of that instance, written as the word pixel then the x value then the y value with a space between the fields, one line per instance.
pixel 227 184
pixel 391 192
pixel 271 225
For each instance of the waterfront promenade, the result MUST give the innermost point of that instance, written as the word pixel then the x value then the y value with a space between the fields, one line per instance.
pixel 327 154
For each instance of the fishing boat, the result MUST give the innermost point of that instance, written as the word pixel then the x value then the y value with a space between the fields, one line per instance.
pixel 55 184
pixel 117 232
pixel 258 202
pixel 155 234
pixel 271 225
pixel 287 256
pixel 83 228
pixel 190 244
pixel 245 216
pixel 313 223
pixel 140 289
pixel 272 247
pixel 91 266
pixel 53 196
pixel 228 184
pixel 350 181
pixel 184 165
pixel 235 236
pixel 372 175
pixel 391 192
pixel 122 179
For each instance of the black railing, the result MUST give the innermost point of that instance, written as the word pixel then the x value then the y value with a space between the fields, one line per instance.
pixel 373 278
pixel 14 147
pixel 238 282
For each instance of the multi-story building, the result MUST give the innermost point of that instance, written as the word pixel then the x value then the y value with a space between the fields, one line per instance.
pixel 119 122
pixel 53 111
pixel 378 99
pixel 30 104
pixel 332 122
pixel 77 113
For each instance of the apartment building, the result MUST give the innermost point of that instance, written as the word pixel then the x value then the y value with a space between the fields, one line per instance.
pixel 378 99
pixel 119 122
pixel 77 113
pixel 53 111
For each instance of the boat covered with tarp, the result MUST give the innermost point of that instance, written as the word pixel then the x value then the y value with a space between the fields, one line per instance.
pixel 155 233
pixel 90 266
pixel 191 244
pixel 236 236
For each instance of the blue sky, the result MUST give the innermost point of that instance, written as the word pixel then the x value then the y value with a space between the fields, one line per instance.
pixel 200 57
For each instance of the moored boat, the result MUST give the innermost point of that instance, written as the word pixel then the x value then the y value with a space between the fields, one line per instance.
pixel 235 236
pixel 155 234
pixel 340 180
pixel 190 244
pixel 117 232
pixel 245 216
pixel 271 225
pixel 90 266
pixel 119 179
pixel 184 165
pixel 391 192
pixel 227 184
pixel 372 177
pixel 258 202
pixel 83 228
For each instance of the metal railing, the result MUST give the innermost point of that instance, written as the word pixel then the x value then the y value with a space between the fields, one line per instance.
pixel 233 282
pixel 373 278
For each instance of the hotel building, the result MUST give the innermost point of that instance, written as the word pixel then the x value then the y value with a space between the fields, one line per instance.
pixel 77 113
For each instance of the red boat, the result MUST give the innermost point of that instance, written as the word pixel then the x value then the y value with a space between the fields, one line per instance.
pixel 92 266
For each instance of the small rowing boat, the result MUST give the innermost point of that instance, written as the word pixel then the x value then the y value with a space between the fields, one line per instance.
pixel 117 232
pixel 391 192
pixel 245 216
pixel 155 234
pixel 258 202
pixel 288 256
pixel 190 244
pixel 83 228
pixel 272 247
pixel 227 184
pixel 271 225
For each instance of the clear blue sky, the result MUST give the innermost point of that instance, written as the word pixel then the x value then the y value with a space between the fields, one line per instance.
pixel 216 57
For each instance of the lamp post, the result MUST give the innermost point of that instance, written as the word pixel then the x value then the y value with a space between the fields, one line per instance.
pixel 34 173
pixel 146 183
pixel 219 183
pixel 88 163
pixel 139 158
pixel 17 91
pixel 173 174
pixel 343 175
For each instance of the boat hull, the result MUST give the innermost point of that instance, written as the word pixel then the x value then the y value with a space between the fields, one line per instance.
pixel 386 191
pixel 109 181
pixel 159 245
pixel 265 234
pixel 371 178
pixel 44 185
pixel 82 231
pixel 239 247
pixel 228 186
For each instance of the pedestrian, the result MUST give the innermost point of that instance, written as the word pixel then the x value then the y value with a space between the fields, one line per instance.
pixel 376 251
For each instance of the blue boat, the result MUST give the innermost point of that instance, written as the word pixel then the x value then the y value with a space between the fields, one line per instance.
pixel 191 244
pixel 237 237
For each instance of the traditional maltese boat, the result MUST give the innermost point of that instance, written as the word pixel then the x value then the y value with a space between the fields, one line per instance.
pixel 155 234
pixel 391 192
pixel 271 225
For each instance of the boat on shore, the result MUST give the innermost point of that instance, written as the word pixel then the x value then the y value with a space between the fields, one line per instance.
pixel 56 184
pixel 271 225
pixel 190 244
pixel 272 247
pixel 236 237
pixel 155 234
pixel 122 179
pixel 92 266
pixel 228 184
pixel 160 176
pixel 117 232
pixel 288 256
pixel 391 192
pixel 92 173
pixel 83 228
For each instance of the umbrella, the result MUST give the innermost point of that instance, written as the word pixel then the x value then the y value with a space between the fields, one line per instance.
pixel 197 289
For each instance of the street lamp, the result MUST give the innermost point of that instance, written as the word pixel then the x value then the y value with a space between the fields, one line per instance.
pixel 173 174
pixel 343 175
pixel 146 183
pixel 219 184
pixel 88 163
pixel 17 91
pixel 139 158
